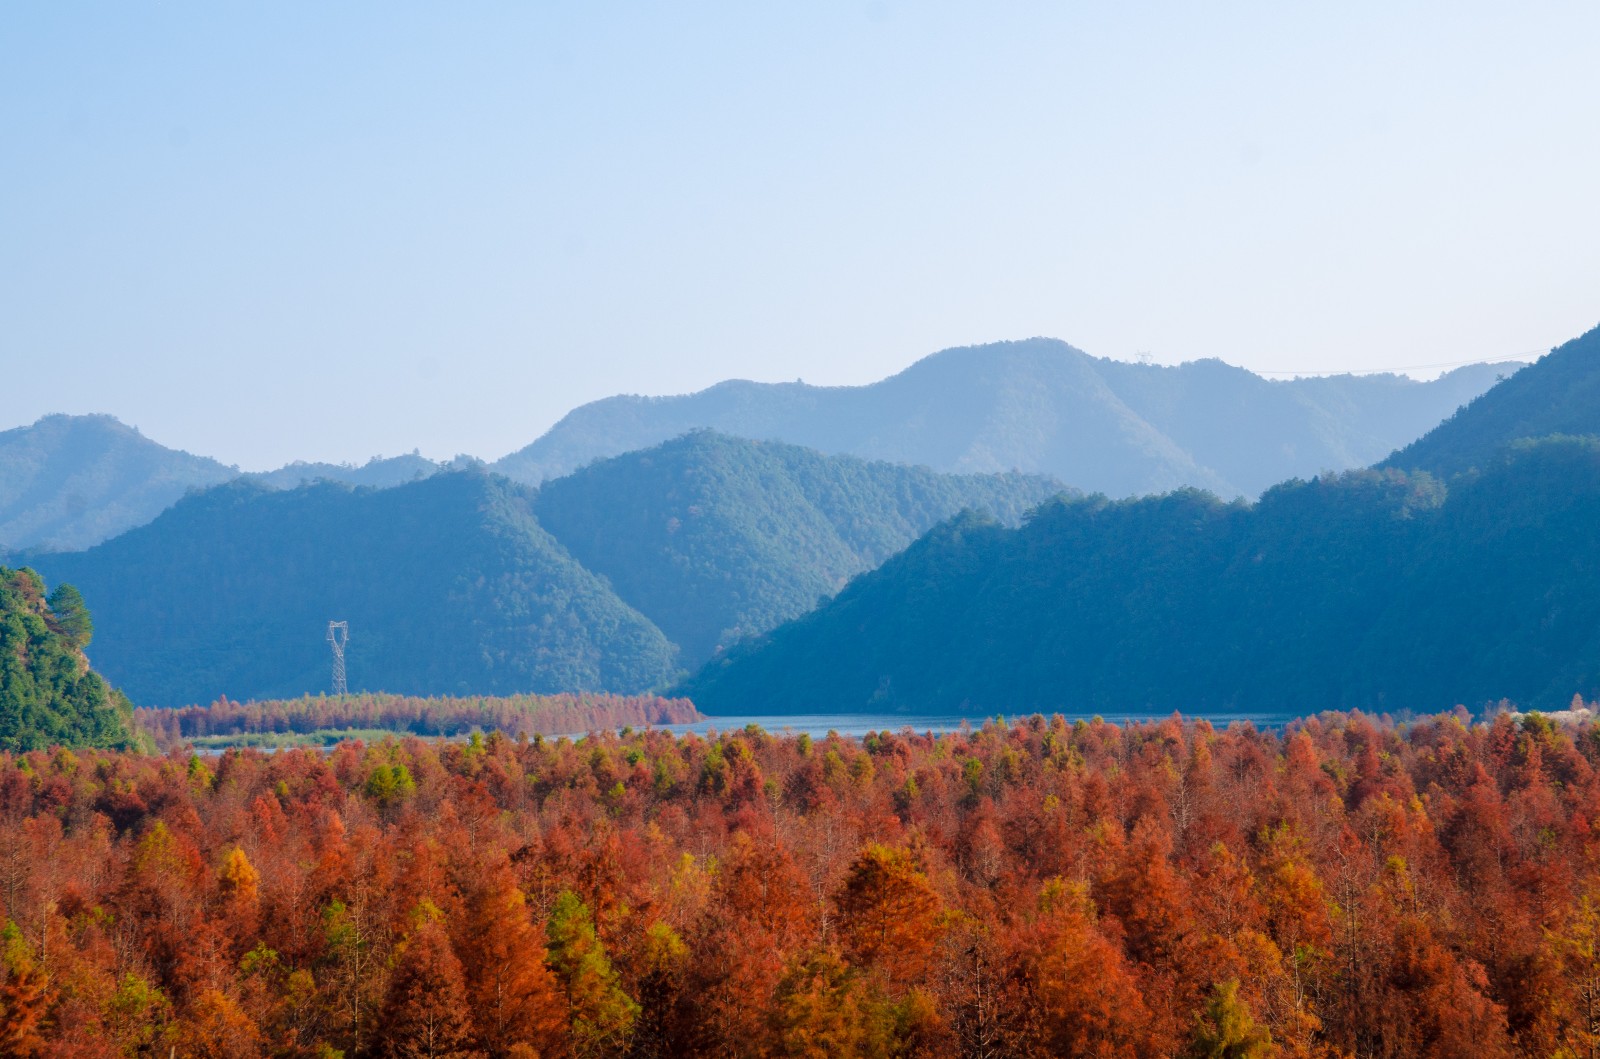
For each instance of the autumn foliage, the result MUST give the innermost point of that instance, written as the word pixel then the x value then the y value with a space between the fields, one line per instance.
pixel 1344 887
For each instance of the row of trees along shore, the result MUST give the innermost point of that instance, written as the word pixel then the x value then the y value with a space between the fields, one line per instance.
pixel 1343 887
pixel 432 715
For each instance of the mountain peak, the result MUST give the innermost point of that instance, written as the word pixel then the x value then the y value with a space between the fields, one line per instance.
pixel 1040 405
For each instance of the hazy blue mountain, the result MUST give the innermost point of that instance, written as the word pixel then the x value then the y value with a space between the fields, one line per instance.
pixel 1560 394
pixel 714 538
pixel 449 585
pixel 377 472
pixel 69 482
pixel 1041 406
pixel 1373 590
pixel 72 481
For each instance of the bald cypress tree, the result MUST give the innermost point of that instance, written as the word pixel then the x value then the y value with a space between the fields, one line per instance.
pixel 425 1013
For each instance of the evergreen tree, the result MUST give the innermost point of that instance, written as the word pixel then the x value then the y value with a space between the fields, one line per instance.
pixel 72 616
pixel 603 1016
pixel 48 693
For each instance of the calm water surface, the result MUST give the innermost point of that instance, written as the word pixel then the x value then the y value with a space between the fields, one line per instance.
pixel 817 725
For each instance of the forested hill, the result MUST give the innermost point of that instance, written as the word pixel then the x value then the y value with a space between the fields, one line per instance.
pixel 1374 590
pixel 1559 394
pixel 1042 406
pixel 72 481
pixel 449 585
pixel 714 538
pixel 467 583
pixel 48 693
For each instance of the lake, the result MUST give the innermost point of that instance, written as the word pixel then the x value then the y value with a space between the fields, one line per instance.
pixel 818 725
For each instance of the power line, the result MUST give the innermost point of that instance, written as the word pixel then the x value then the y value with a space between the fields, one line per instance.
pixel 1533 354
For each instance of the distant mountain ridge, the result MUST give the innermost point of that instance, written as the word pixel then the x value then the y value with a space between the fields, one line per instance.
pixel 1038 406
pixel 69 482
pixel 1042 406
pixel 1560 394
pixel 379 472
pixel 72 481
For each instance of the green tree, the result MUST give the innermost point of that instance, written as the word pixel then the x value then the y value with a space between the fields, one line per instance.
pixel 48 696
pixel 72 616
pixel 1226 1029
pixel 603 1016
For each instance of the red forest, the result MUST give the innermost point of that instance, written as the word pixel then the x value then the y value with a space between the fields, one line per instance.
pixel 433 715
pixel 1342 888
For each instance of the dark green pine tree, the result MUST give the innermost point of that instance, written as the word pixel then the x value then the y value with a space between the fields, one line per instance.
pixel 48 694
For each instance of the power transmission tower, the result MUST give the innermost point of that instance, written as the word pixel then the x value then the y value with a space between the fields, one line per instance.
pixel 338 636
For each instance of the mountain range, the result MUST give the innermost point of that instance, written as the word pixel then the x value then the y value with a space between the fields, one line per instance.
pixel 1042 406
pixel 1038 406
pixel 777 570
pixel 466 582
pixel 1466 570
pixel 68 482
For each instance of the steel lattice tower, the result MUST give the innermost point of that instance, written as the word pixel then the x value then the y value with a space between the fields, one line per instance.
pixel 338 636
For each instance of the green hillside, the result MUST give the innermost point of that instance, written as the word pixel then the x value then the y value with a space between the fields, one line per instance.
pixel 1375 590
pixel 48 693
pixel 449 585
pixel 1558 395
pixel 714 538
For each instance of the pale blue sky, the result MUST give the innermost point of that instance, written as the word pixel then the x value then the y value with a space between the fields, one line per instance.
pixel 327 231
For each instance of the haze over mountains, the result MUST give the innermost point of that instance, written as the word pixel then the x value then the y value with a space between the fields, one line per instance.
pixel 73 481
pixel 464 582
pixel 1042 406
pixel 1380 590
pixel 69 482
pixel 1038 406
pixel 638 567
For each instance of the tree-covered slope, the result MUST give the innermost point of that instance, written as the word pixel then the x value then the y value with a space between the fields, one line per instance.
pixel 72 481
pixel 1373 589
pixel 1042 406
pixel 714 538
pixel 48 694
pixel 449 584
pixel 1558 394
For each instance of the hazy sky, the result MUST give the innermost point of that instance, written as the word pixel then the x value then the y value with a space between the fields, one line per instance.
pixel 328 231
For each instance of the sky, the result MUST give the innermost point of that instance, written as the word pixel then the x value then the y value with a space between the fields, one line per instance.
pixel 333 231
